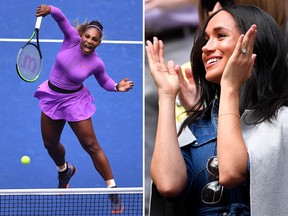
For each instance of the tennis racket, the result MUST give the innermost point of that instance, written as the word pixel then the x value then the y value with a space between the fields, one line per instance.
pixel 29 58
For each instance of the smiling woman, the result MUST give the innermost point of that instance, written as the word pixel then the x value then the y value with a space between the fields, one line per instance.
pixel 222 35
pixel 215 164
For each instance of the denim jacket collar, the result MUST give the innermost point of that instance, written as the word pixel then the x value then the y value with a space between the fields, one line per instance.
pixel 187 137
pixel 205 129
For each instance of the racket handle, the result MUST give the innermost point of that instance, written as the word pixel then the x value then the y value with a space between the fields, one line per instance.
pixel 38 22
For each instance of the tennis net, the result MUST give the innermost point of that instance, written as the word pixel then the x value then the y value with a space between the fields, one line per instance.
pixel 70 202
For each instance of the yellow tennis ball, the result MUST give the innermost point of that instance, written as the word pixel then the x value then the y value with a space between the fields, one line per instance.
pixel 25 159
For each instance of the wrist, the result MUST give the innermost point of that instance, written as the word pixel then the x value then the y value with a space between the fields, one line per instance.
pixel 229 92
pixel 116 87
pixel 167 100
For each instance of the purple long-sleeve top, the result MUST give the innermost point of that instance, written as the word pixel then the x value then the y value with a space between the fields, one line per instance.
pixel 71 66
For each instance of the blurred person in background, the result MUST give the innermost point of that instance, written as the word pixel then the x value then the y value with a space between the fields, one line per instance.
pixel 170 18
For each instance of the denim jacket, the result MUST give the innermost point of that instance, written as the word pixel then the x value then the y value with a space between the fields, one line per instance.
pixel 201 146
pixel 196 155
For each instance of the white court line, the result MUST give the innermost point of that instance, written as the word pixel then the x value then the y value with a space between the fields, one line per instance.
pixel 60 41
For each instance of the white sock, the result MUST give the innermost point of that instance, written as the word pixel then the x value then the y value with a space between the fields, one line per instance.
pixel 62 168
pixel 111 183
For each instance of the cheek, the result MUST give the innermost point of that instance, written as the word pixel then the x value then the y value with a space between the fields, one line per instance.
pixel 96 44
pixel 82 43
pixel 82 38
pixel 214 75
pixel 229 45
pixel 229 52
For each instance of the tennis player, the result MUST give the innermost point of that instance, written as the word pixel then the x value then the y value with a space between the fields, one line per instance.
pixel 63 98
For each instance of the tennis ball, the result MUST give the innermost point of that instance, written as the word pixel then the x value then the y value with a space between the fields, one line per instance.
pixel 25 159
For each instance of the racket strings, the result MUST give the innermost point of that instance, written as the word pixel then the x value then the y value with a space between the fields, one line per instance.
pixel 29 62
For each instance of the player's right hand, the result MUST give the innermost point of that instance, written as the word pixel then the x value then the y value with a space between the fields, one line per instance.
pixel 43 10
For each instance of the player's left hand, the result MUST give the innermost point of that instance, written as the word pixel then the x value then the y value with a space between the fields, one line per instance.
pixel 125 85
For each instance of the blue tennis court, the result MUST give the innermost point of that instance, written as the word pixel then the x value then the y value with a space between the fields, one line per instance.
pixel 118 121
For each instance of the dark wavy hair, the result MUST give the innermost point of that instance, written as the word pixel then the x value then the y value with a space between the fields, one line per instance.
pixel 267 88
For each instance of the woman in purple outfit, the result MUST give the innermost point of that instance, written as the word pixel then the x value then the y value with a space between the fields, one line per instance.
pixel 64 97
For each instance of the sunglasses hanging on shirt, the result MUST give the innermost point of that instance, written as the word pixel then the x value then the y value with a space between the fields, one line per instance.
pixel 212 192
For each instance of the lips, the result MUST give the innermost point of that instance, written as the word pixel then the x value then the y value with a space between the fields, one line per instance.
pixel 212 60
pixel 87 46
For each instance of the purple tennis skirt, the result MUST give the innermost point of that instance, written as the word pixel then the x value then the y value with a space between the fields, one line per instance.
pixel 72 107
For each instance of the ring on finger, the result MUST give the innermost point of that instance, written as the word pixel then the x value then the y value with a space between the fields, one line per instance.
pixel 243 50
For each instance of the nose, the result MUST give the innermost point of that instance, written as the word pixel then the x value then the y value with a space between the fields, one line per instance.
pixel 89 40
pixel 209 46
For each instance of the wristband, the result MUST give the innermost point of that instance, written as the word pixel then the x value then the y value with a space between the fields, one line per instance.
pixel 115 87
